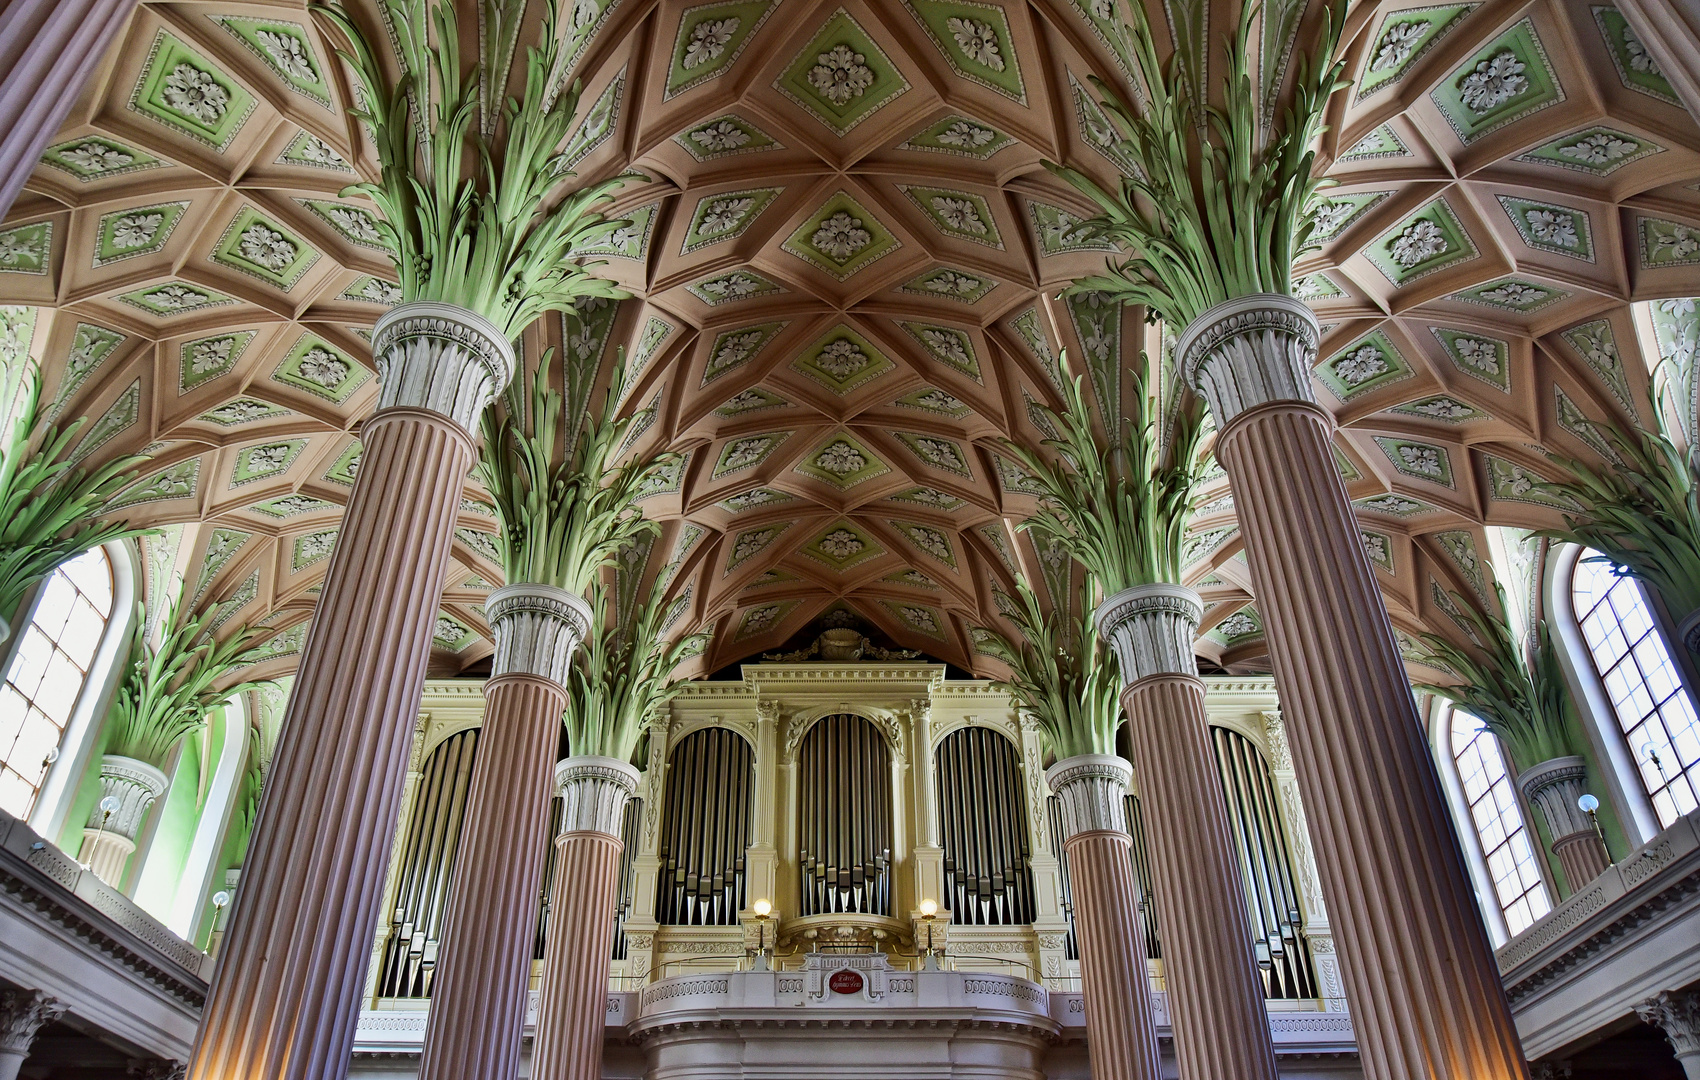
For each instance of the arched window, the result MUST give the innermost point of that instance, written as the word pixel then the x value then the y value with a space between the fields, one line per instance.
pixel 1657 718
pixel 48 674
pixel 1498 820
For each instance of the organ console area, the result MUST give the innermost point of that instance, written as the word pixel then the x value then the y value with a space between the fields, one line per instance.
pixel 858 808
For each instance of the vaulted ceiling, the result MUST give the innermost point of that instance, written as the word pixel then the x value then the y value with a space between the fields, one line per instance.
pixel 844 262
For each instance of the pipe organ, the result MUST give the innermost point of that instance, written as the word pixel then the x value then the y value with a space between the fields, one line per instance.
pixel 986 877
pixel 427 866
pixel 705 831
pixel 630 823
pixel 1266 866
pixel 847 800
pixel 844 788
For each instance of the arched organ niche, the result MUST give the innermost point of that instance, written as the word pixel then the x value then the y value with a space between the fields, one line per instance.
pixel 983 824
pixel 427 866
pixel 1266 866
pixel 844 818
pixel 705 831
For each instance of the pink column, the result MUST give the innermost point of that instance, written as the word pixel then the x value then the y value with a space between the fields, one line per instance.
pixel 1424 991
pixel 48 50
pixel 484 967
pixel 1215 992
pixel 286 996
pixel 580 937
pixel 1121 1033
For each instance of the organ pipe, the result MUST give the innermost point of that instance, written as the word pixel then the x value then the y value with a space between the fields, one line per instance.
pixel 629 825
pixel 1142 874
pixel 705 830
pixel 844 811
pixel 1266 868
pixel 427 866
pixel 986 849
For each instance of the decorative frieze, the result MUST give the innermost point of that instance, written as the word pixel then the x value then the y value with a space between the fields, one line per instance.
pixel 1151 628
pixel 536 627
pixel 593 793
pixel 1092 789
pixel 440 358
pixel 1250 351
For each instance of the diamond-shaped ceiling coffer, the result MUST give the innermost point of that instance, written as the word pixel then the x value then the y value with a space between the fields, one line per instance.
pixel 842 237
pixel 841 77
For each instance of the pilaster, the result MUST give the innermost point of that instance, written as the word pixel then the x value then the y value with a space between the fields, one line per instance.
pixel 1050 922
pixel 761 861
pixel 1315 911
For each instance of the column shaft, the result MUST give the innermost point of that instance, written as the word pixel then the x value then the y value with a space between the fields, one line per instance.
pixel 575 957
pixel 1583 856
pixel 1121 1030
pixel 287 993
pixel 1215 993
pixel 1121 1036
pixel 1426 999
pixel 48 50
pixel 484 970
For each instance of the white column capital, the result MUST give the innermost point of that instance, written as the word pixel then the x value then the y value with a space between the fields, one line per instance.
pixel 536 627
pixel 1554 786
pixel 1677 1014
pixel 593 792
pixel 135 784
pixel 1250 351
pixel 1091 789
pixel 22 1014
pixel 1151 628
pixel 440 358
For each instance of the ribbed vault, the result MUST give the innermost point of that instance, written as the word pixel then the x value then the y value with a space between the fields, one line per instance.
pixel 845 261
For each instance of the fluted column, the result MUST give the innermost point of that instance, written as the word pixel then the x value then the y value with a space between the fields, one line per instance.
pixel 1554 786
pixel 48 50
pixel 1425 995
pixel 1121 1033
pixel 478 996
pixel 22 1014
pixel 580 937
pixel 287 993
pixel 1215 992
pixel 1678 1016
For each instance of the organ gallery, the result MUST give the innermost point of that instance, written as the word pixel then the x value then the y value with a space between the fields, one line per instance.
pixel 1066 539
